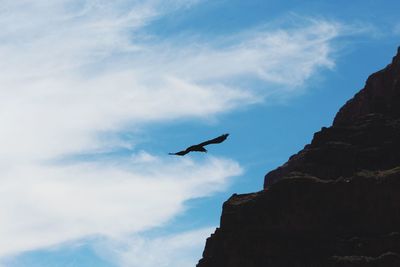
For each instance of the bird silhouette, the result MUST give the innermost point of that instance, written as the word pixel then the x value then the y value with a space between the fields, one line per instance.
pixel 200 147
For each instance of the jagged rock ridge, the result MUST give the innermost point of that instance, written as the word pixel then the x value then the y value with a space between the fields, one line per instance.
pixel 335 203
pixel 364 134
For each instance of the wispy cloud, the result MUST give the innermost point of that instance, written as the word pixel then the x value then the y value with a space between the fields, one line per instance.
pixel 396 29
pixel 46 205
pixel 179 250
pixel 74 70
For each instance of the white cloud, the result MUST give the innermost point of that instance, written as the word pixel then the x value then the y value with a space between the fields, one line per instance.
pixel 396 29
pixel 180 250
pixel 74 70
pixel 45 205
pixel 282 57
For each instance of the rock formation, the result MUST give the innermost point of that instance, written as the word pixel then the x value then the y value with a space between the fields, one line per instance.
pixel 335 203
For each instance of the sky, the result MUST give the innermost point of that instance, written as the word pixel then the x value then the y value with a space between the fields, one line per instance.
pixel 95 93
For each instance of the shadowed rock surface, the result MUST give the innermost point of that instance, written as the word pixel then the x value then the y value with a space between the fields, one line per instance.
pixel 335 203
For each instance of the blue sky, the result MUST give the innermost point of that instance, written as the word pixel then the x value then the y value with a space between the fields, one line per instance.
pixel 96 93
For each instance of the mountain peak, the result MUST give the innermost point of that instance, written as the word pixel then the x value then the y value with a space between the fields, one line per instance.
pixel 381 94
pixel 364 134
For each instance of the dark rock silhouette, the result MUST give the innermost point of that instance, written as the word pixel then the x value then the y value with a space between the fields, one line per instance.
pixel 200 147
pixel 335 203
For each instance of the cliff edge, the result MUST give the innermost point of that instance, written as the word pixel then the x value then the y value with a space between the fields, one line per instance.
pixel 334 203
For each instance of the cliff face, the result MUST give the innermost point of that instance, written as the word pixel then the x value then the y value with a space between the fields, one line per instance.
pixel 364 134
pixel 335 203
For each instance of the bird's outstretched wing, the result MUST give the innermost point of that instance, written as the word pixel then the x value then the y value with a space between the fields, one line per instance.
pixel 180 153
pixel 216 140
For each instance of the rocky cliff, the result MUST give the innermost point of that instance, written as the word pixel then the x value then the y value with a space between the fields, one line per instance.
pixel 335 203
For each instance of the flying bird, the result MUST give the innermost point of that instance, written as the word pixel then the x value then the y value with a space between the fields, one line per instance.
pixel 200 147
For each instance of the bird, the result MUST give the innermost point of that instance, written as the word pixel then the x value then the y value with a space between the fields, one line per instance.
pixel 200 147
